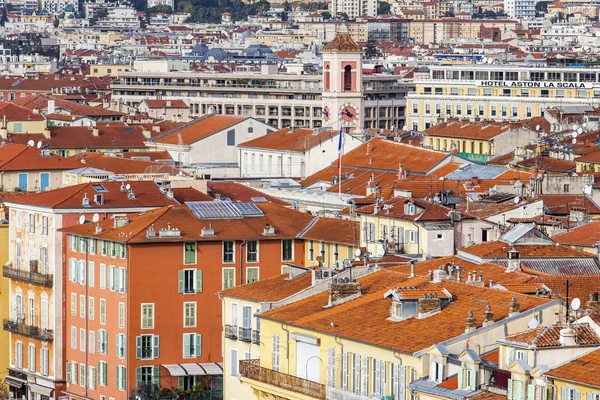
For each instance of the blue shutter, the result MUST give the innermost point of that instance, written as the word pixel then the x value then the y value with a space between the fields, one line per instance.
pixel 186 346
pixel 156 343
pixel 44 180
pixel 23 181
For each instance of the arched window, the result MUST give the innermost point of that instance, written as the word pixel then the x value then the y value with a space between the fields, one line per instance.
pixel 347 78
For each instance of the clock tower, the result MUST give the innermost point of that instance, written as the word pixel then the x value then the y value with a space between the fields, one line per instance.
pixel 342 84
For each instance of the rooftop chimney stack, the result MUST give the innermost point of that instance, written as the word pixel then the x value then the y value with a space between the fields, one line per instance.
pixel 470 324
pixel 488 316
pixel 429 305
pixel 514 308
pixel 514 260
pixel 568 336
pixel 369 148
pixel 593 303
pixel 439 274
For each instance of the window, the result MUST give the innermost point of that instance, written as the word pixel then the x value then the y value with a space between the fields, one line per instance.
pixel 44 180
pixel 121 377
pixel 331 366
pixel 102 276
pixel 228 252
pixel 121 315
pixel 44 362
pixel 251 274
pixel 189 315
pixel 189 253
pixel 231 137
pixel 311 250
pixel 121 280
pixel 252 251
pixel 82 306
pixel 121 342
pixel 23 178
pixel 91 377
pixel 234 363
pixel 18 354
pixel 31 223
pixel 102 341
pixel 345 371
pixel 439 236
pixel 484 235
pixel 92 342
pixel 147 347
pixel 436 373
pixel 82 339
pixel 102 373
pixel 287 250
pixel 82 375
pixel 102 311
pixel 192 345
pixel 31 358
pixel 148 316
pixel 228 277
pixel 91 266
pixel 275 353
pixel 91 308
pixel 566 188
pixel 73 337
pixel 147 375
pixel 365 380
pixel 73 304
pixel 82 272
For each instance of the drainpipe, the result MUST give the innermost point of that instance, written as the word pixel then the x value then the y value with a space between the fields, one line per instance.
pixel 341 357
pixel 287 346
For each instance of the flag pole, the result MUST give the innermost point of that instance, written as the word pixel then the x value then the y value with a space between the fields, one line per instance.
pixel 340 151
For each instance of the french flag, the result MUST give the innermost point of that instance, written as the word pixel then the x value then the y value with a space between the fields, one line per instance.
pixel 340 143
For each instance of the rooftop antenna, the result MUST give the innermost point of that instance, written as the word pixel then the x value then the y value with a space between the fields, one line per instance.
pixel 96 218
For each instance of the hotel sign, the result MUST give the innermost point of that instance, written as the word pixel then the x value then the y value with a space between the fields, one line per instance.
pixel 536 84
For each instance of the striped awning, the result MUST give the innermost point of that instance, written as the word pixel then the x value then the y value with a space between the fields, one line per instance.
pixel 195 369
pixel 15 382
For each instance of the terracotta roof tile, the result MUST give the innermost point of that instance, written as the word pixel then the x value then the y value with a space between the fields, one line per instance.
pixel 468 130
pixel 562 204
pixel 333 230
pixel 548 336
pixel 20 157
pixel 239 192
pixel 271 289
pixel 298 140
pixel 199 129
pixel 584 235
pixel 41 102
pixel 165 103
pixel 583 369
pixel 498 249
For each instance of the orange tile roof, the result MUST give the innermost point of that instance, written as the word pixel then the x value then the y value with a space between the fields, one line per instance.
pixel 426 211
pixel 548 336
pixel 199 129
pixel 287 223
pixel 240 192
pixel 190 194
pixel 165 103
pixel 451 383
pixel 371 312
pixel 498 249
pixel 14 112
pixel 20 157
pixel 124 166
pixel 492 356
pixel 41 102
pixel 584 235
pixel 147 194
pixel 271 289
pixel 333 230
pixel 298 140
pixel 548 164
pixel 457 129
pixel 562 204
pixel 583 369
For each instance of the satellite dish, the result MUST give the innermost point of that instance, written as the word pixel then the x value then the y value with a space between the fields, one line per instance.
pixel 575 134
pixel 587 189
pixel 517 200
pixel 575 127
pixel 96 217
pixel 574 141
pixel 490 61
pixel 533 323
pixel 31 143
pixel 584 125
pixel 575 304
pixel 537 127
pixel 82 219
pixel 128 186
pixel 580 131
pixel 357 252
pixel 39 144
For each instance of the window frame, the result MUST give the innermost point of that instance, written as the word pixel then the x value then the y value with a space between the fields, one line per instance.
pixel 152 307
pixel 291 248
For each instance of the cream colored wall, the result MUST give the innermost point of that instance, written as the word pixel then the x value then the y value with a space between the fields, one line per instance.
pixel 26 126
pixel 102 69
pixel 4 300
pixel 583 390
pixel 233 389
pixel 10 180
pixel 344 252
pixel 379 221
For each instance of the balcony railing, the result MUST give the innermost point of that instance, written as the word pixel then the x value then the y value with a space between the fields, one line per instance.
pixel 34 332
pixel 340 394
pixel 252 370
pixel 256 337
pixel 245 334
pixel 35 278
pixel 231 331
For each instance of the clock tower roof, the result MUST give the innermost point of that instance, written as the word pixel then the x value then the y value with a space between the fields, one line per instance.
pixel 342 42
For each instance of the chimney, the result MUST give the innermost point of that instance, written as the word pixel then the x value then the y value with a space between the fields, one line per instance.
pixel 439 274
pixel 340 292
pixel 95 132
pixel 51 107
pixel 412 269
pixel 170 195
pixel 36 111
pixel 593 303
pixel 514 260
pixel 269 230
pixel 120 222
pixel 46 133
pixel 400 172
pixel 147 134
pixel 470 324
pixel 86 201
pixel 168 103
pixel 207 232
pixel 429 305
pixel 369 148
pixel 475 181
pixel 513 307
pixel 488 316
pixel 568 336
pixel 98 229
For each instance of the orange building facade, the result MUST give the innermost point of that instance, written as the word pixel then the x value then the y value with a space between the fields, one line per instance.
pixel 144 289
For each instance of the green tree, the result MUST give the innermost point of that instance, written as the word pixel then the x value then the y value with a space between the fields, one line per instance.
pixel 4 392
pixel 326 15
pixel 541 7
pixel 56 22
pixel 148 391
pixel 383 7
pixel 371 50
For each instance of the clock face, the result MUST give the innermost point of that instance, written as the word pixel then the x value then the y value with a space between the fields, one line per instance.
pixel 326 113
pixel 349 113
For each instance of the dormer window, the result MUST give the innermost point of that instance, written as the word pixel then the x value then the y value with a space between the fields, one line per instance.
pixel 436 374
pixel 410 209
pixel 396 310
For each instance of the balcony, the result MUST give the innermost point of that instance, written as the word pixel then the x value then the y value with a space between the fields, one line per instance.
pixel 256 337
pixel 251 370
pixel 34 332
pixel 32 277
pixel 245 334
pixel 231 331
pixel 340 394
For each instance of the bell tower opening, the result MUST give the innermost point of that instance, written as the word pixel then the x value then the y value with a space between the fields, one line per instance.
pixel 347 78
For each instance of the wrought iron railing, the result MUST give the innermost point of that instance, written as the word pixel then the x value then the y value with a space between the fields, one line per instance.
pixel 31 331
pixel 231 331
pixel 245 334
pixel 32 277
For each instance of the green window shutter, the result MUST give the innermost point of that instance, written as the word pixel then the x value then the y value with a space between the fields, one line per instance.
pixel 123 378
pixel 180 383
pixel 180 276
pixel 198 345
pixel 156 344
pixel 138 347
pixel 118 375
pixel 198 281
pixel 530 392
pixel 186 346
pixel 518 391
pixel 460 378
pixel 138 376
pixel 98 373
pixel 69 377
pixel 156 375
pixel 472 380
pixel 510 389
pixel 105 374
pixel 190 253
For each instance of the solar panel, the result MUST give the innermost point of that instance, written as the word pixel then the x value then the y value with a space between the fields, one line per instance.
pixel 249 209
pixel 259 199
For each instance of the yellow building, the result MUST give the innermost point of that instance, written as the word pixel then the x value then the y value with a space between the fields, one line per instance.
pixel 446 29
pixel 112 70
pixel 4 296
pixel 496 92
pixel 379 335
pixel 329 241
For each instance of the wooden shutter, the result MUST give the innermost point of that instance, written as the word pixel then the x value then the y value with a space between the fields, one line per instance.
pixel 156 345
pixel 198 281
pixel 530 392
pixel 186 346
pixel 138 375
pixel 156 375
pixel 198 338
pixel 345 371
pixel 138 347
pixel 180 275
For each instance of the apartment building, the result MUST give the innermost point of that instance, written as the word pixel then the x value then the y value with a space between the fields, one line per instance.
pixel 35 275
pixel 123 333
pixel 354 8
pixel 497 92
pixel 444 30
pixel 520 9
